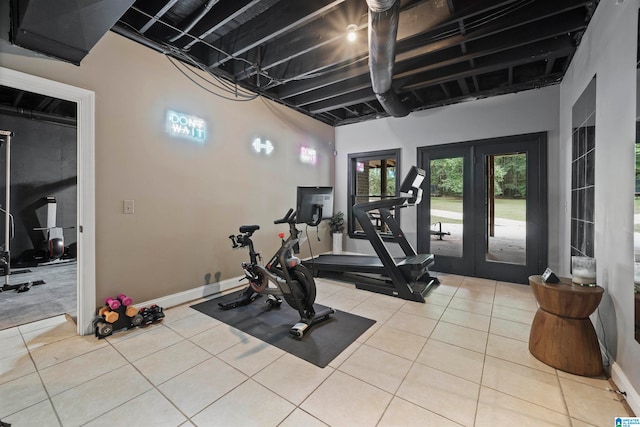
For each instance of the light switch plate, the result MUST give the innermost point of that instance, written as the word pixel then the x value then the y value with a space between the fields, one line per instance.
pixel 128 206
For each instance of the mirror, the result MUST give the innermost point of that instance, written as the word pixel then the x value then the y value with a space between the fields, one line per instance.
pixel 636 204
pixel 583 163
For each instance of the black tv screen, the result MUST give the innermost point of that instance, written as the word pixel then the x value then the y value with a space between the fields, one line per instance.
pixel 310 200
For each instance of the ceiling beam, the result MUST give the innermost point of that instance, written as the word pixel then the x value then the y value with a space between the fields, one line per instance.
pixel 308 64
pixel 556 28
pixel 222 14
pixel 463 86
pixel 329 28
pixel 157 16
pixel 358 97
pixel 271 25
pixel 515 57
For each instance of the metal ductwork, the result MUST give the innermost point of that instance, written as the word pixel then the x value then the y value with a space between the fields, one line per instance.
pixel 64 29
pixel 37 115
pixel 383 29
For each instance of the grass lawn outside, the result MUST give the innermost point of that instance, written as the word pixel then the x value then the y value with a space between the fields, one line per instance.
pixel 514 209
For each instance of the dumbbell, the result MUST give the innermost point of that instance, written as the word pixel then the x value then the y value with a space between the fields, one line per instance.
pixel 111 316
pixel 158 313
pixel 104 329
pixel 131 311
pixel 113 304
pixel 125 300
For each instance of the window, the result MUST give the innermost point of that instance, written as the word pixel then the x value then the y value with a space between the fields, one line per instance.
pixel 372 176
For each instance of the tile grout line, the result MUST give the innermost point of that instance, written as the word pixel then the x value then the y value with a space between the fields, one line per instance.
pixel 44 387
pixel 484 359
pixel 384 323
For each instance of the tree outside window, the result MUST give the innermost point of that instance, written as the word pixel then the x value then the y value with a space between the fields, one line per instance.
pixel 372 176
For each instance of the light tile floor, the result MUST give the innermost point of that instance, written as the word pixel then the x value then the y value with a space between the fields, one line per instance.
pixel 460 359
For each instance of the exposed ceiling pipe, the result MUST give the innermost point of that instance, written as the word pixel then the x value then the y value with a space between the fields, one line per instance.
pixel 383 29
pixel 205 10
pixel 136 37
pixel 37 115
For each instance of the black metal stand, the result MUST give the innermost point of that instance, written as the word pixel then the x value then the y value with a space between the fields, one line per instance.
pixel 5 255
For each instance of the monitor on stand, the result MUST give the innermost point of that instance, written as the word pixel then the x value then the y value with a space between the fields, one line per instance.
pixel 314 204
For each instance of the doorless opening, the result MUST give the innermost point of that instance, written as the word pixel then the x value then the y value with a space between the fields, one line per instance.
pixel 85 101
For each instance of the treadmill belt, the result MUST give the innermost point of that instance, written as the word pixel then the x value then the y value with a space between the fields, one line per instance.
pixel 355 263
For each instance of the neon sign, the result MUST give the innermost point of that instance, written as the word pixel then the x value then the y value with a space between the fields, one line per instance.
pixel 308 155
pixel 259 146
pixel 185 126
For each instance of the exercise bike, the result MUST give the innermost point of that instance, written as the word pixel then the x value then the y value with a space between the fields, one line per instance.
pixel 291 280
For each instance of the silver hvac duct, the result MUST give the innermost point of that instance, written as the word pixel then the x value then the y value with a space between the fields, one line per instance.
pixel 383 29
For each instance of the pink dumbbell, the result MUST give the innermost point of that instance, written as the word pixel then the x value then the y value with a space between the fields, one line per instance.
pixel 125 300
pixel 112 303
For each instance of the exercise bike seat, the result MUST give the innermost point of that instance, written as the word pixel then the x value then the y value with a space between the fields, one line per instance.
pixel 249 228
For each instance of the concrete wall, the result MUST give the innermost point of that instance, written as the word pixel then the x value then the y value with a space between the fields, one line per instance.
pixel 520 113
pixel 608 51
pixel 189 197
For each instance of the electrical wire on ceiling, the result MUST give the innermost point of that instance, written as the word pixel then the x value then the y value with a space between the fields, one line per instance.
pixel 239 98
pixel 225 85
pixel 198 39
pixel 239 94
pixel 271 80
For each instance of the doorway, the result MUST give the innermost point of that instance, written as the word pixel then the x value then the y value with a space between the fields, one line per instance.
pixel 484 212
pixel 85 101
pixel 42 173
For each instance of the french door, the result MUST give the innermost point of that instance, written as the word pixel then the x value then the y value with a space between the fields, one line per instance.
pixel 484 208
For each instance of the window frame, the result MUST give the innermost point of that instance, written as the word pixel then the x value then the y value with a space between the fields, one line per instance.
pixel 354 158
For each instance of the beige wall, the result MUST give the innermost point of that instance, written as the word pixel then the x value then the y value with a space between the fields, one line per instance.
pixel 188 197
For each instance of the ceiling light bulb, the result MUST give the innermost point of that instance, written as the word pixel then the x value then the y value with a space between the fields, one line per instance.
pixel 351 32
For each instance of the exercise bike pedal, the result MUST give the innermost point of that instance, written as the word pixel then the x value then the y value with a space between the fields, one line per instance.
pixel 297 331
pixel 273 301
pixel 238 302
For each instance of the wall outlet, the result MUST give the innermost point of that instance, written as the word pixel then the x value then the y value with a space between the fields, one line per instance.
pixel 128 206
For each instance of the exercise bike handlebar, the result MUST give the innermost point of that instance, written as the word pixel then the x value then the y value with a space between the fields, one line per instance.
pixel 290 217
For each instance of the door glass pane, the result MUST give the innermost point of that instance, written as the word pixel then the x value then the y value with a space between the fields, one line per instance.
pixel 506 204
pixel 446 206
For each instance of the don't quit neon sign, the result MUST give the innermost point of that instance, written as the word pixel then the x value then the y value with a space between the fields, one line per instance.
pixel 185 126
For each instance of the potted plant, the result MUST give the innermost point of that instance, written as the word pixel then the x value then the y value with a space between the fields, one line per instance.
pixel 336 228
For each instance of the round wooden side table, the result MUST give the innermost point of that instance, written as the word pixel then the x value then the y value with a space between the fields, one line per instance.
pixel 562 335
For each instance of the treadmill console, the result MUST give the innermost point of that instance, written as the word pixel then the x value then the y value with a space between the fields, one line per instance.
pixel 410 187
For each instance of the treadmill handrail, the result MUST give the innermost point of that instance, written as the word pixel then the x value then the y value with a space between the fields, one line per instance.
pixel 386 203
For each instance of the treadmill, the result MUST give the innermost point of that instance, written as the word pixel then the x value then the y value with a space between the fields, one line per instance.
pixel 405 277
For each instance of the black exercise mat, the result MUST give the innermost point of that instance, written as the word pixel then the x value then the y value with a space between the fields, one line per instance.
pixel 320 344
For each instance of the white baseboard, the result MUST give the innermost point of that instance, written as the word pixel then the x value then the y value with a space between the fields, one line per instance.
pixel 195 293
pixel 633 398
